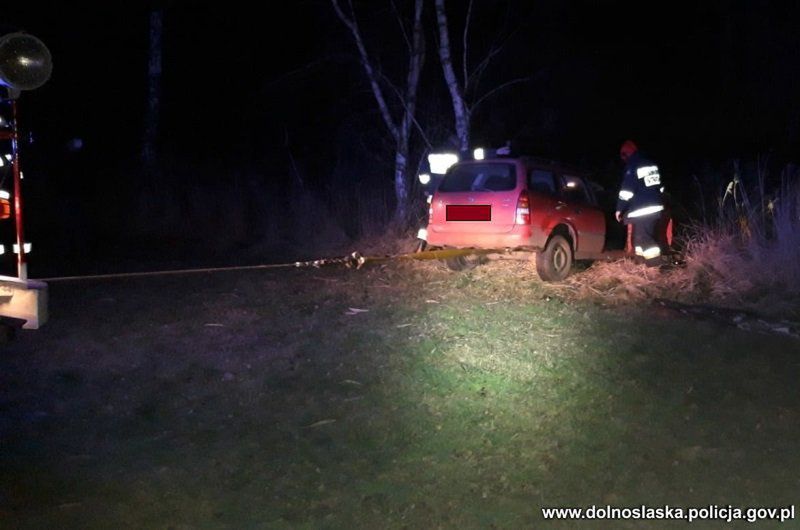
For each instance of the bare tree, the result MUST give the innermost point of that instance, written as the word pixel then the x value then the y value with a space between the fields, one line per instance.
pixel 151 117
pixel 456 88
pixel 400 126
pixel 464 92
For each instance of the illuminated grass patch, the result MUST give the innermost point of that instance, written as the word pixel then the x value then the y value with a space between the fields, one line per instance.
pixel 457 401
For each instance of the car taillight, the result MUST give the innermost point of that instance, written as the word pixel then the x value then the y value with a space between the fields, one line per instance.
pixel 523 209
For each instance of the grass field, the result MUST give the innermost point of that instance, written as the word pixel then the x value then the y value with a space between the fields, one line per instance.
pixel 457 400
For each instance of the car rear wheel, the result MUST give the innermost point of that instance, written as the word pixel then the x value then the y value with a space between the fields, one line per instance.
pixel 462 263
pixel 554 263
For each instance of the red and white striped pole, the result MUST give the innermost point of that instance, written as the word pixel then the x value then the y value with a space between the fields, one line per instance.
pixel 22 266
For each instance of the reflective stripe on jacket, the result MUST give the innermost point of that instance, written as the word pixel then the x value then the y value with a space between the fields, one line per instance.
pixel 640 193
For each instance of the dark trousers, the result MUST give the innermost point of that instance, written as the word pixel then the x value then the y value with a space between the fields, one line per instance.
pixel 646 240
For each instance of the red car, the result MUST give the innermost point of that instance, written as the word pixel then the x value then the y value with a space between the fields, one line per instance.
pixel 518 204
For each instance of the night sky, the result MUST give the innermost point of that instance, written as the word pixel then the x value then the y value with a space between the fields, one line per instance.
pixel 696 84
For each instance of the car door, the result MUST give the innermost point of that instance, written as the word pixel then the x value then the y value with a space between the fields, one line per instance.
pixel 543 190
pixel 587 219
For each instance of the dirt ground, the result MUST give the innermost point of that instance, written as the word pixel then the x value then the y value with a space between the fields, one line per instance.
pixel 399 396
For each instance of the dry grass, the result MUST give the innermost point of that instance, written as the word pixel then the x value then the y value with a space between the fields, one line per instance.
pixel 713 275
pixel 621 282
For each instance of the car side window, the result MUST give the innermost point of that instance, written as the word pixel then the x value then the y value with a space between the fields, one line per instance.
pixel 542 181
pixel 573 189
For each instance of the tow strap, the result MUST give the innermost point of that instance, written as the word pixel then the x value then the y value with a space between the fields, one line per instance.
pixel 352 261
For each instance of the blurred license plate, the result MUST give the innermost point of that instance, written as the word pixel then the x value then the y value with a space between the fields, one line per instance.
pixel 469 212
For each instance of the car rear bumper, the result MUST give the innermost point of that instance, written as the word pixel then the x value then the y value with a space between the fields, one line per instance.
pixel 519 236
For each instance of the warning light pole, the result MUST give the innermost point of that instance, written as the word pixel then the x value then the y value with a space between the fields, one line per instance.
pixel 22 266
pixel 25 64
pixel 13 136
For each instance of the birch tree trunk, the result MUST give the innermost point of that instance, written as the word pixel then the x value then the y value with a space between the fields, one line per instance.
pixel 464 92
pixel 460 109
pixel 151 119
pixel 415 61
pixel 400 129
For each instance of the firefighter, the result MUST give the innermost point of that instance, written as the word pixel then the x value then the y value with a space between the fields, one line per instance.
pixel 640 202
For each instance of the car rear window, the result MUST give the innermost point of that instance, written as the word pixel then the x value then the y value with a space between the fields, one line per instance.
pixel 480 177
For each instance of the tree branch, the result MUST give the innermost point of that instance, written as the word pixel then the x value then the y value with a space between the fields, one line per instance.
pixel 406 108
pixel 402 26
pixel 299 70
pixel 291 156
pixel 460 109
pixel 352 25
pixel 415 60
pixel 477 72
pixel 466 31
pixel 499 88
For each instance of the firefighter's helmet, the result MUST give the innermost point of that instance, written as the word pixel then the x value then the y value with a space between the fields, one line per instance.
pixel 627 149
